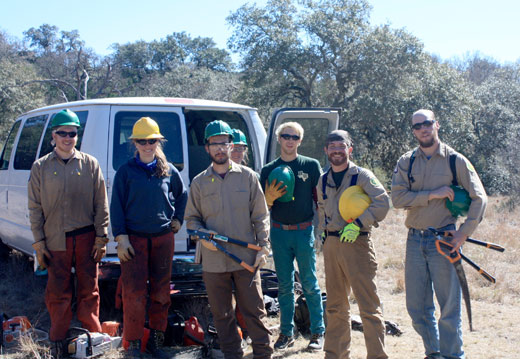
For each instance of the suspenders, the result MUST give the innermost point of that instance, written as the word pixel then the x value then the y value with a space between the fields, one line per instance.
pixel 324 177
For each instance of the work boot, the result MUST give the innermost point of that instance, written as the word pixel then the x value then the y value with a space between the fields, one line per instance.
pixel 155 344
pixel 58 350
pixel 433 356
pixel 316 342
pixel 284 342
pixel 134 349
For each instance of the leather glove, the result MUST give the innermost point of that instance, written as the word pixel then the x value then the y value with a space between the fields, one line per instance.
pixel 42 253
pixel 99 249
pixel 176 225
pixel 274 191
pixel 349 233
pixel 125 251
pixel 261 257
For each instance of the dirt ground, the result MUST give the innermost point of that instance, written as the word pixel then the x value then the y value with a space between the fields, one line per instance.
pixel 495 307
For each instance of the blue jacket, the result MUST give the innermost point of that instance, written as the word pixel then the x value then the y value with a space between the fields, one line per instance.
pixel 142 202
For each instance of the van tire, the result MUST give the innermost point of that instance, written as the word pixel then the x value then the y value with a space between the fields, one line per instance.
pixel 5 251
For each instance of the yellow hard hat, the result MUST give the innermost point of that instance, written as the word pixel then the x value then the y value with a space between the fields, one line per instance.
pixel 353 202
pixel 146 128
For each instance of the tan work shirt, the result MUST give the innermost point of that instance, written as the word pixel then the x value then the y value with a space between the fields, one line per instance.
pixel 429 175
pixel 66 196
pixel 329 207
pixel 233 206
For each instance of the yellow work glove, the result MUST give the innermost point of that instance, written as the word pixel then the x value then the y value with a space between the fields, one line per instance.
pixel 349 233
pixel 99 249
pixel 274 191
pixel 261 257
pixel 125 251
pixel 42 253
pixel 176 225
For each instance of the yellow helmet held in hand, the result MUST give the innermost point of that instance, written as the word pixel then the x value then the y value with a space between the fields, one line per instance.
pixel 146 128
pixel 353 202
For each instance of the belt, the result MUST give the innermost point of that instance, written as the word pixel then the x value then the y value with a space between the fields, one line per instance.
pixel 337 234
pixel 292 227
pixel 427 232
pixel 80 231
pixel 150 235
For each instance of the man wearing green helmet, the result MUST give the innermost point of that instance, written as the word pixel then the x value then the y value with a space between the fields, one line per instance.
pixel 290 183
pixel 421 185
pixel 348 250
pixel 68 211
pixel 227 199
pixel 239 150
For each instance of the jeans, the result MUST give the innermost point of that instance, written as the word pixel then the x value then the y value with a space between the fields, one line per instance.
pixel 426 271
pixel 299 244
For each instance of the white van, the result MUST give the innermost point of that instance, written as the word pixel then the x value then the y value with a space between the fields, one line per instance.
pixel 106 125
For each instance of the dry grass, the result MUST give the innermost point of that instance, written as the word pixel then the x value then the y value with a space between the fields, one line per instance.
pixel 495 306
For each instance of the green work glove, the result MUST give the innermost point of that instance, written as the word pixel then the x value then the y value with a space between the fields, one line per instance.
pixel 349 233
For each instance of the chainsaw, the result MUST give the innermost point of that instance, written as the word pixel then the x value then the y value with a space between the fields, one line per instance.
pixel 89 345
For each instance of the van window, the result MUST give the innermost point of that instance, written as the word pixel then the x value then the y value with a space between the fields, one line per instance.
pixel 8 147
pixel 46 143
pixel 28 142
pixel 169 125
pixel 314 135
pixel 196 121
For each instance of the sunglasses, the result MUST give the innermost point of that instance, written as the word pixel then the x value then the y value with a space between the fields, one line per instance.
pixel 239 148
pixel 64 134
pixel 144 142
pixel 288 137
pixel 425 124
pixel 220 145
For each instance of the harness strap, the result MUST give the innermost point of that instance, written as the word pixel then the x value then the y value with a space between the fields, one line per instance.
pixel 453 168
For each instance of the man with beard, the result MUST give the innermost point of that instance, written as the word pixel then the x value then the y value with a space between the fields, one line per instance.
pixel 292 235
pixel 348 251
pixel 421 185
pixel 227 199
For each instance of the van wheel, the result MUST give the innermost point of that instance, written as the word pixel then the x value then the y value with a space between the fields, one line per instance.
pixel 5 251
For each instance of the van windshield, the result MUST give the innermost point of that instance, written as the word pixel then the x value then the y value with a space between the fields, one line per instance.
pixel 196 121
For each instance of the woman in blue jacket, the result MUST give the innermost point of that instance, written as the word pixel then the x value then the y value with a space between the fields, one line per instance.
pixel 147 208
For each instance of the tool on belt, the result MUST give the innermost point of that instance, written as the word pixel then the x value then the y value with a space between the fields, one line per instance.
pixel 214 238
pixel 444 248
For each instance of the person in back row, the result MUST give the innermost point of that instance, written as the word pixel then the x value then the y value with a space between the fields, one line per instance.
pixel 68 211
pixel 292 232
pixel 147 209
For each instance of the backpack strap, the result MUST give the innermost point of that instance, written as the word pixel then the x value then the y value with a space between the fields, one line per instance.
pixel 410 177
pixel 324 183
pixel 453 159
pixel 353 180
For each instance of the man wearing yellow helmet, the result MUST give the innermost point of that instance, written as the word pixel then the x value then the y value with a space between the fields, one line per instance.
pixel 350 201
pixel 421 185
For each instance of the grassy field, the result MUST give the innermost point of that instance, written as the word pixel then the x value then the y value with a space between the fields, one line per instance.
pixel 496 309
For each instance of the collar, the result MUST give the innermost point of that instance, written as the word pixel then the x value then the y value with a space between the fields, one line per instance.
pixel 351 170
pixel 441 150
pixel 233 167
pixel 77 154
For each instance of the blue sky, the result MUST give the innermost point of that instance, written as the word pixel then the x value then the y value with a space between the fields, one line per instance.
pixel 448 28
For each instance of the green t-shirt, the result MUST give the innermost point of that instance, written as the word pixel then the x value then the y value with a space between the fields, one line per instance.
pixel 307 172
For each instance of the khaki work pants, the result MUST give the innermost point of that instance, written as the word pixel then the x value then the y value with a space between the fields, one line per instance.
pixel 352 266
pixel 219 287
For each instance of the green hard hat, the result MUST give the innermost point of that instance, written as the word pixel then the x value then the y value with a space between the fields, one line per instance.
pixel 238 137
pixel 284 173
pixel 65 118
pixel 461 202
pixel 217 128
